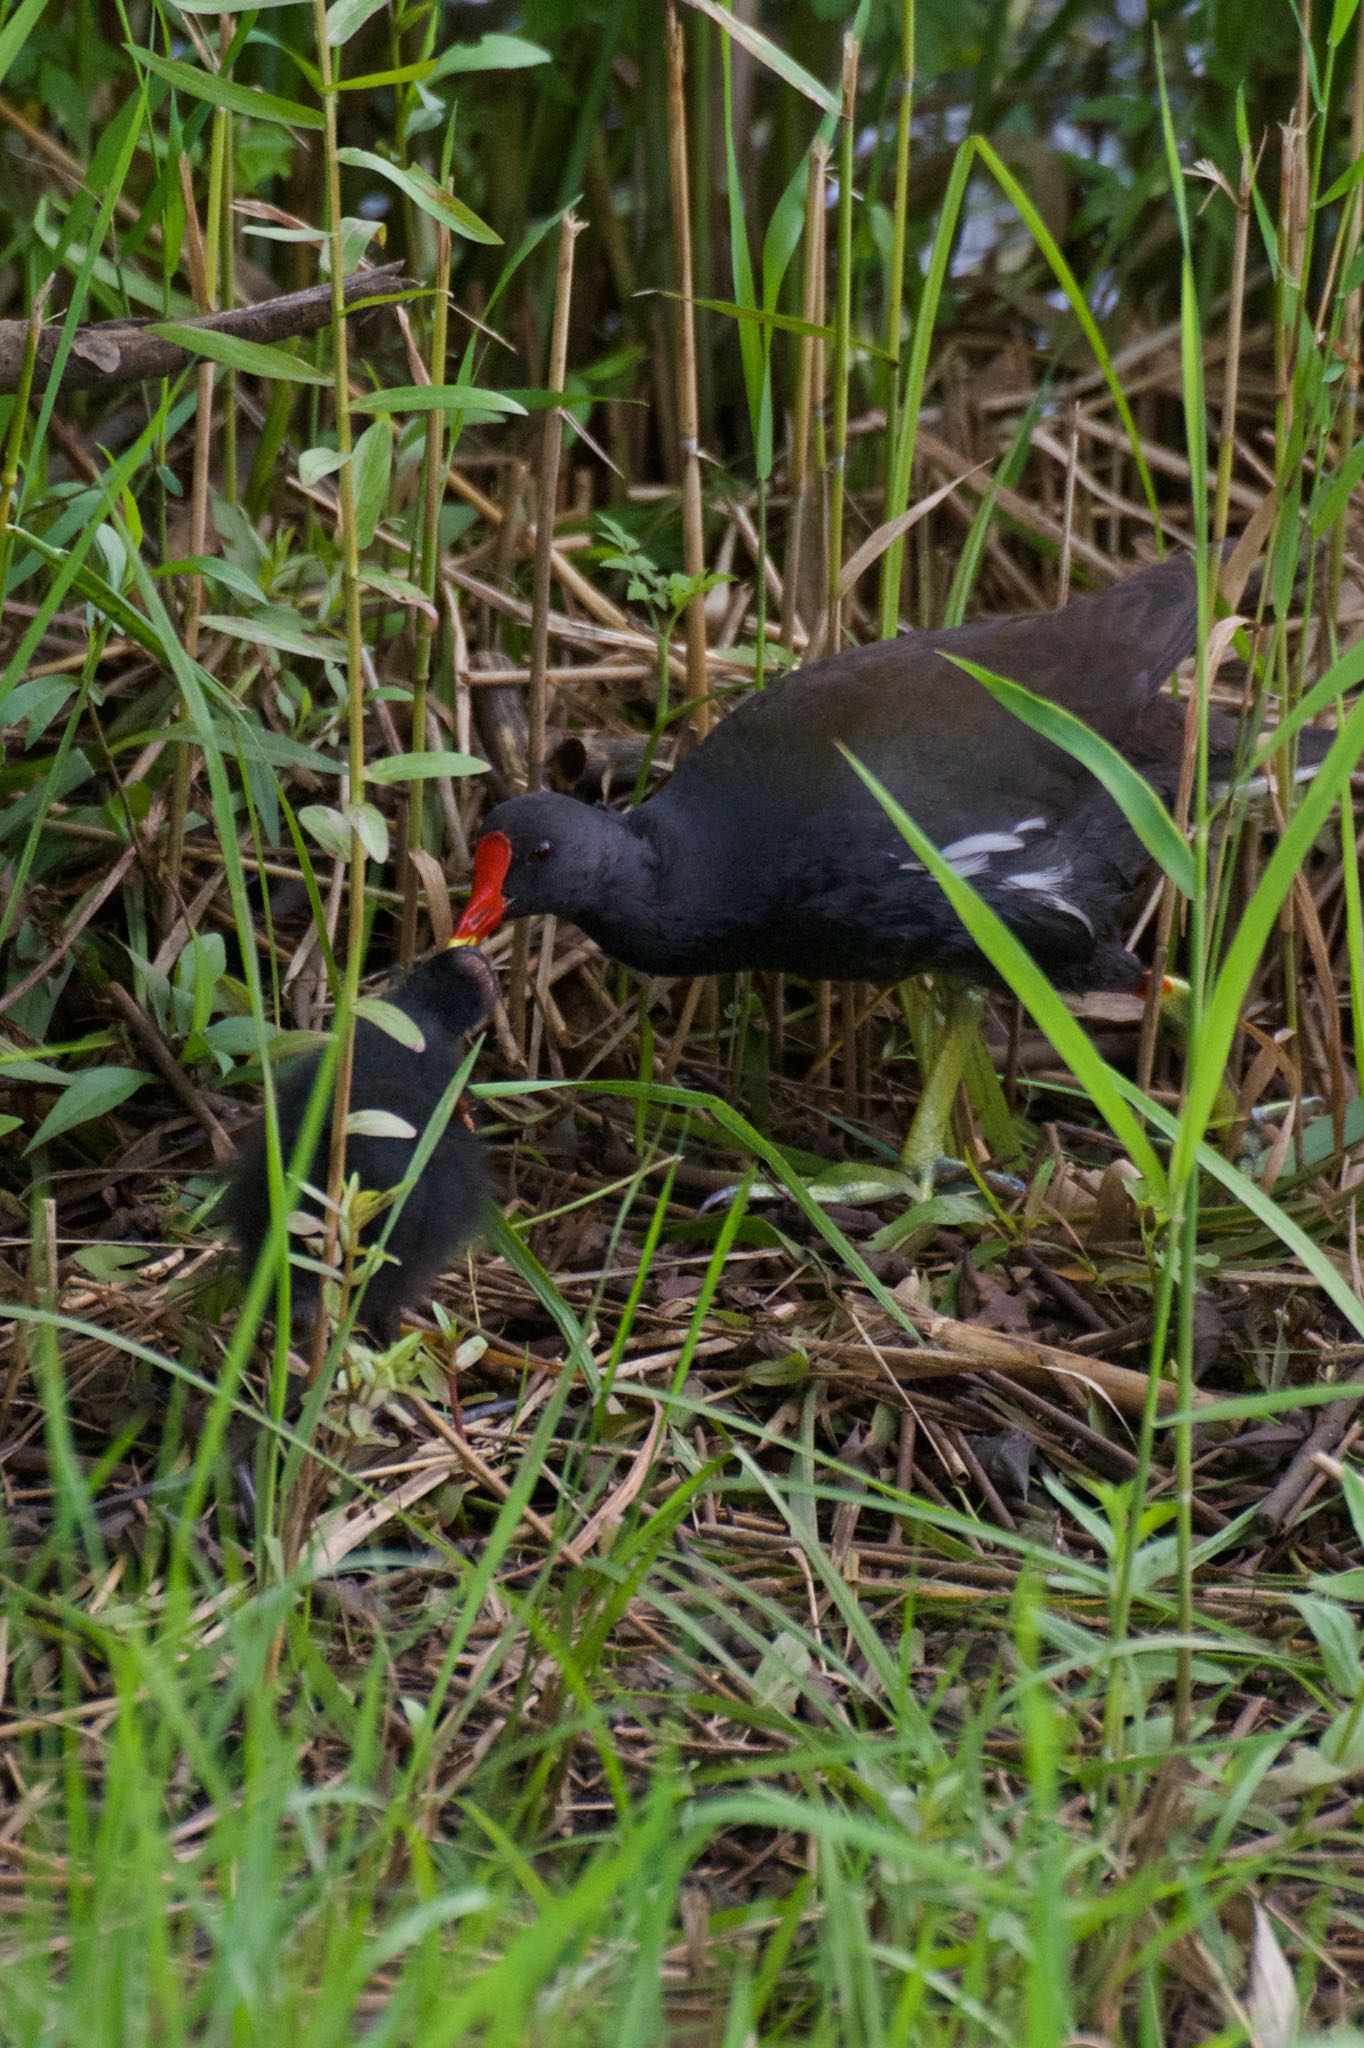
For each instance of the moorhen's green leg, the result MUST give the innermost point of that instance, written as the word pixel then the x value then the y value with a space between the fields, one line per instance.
pixel 930 1131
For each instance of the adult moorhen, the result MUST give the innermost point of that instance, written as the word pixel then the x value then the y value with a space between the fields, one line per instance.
pixel 765 850
pixel 446 997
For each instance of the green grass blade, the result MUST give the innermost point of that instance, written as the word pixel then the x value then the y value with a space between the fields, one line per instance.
pixel 1132 793
pixel 1016 966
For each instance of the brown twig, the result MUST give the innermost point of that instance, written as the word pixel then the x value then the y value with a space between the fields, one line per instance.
pixel 126 351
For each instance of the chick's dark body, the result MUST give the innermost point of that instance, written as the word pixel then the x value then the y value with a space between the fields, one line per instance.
pixel 446 997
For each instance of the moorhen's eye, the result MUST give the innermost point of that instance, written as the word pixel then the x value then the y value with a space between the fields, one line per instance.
pixel 542 849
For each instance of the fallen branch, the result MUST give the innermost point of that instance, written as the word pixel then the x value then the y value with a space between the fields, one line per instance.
pixel 951 1348
pixel 126 351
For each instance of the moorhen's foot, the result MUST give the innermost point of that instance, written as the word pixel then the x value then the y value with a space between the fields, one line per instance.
pixel 926 1144
pixel 939 1173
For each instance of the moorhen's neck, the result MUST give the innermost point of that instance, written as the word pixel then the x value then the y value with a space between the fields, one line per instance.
pixel 629 905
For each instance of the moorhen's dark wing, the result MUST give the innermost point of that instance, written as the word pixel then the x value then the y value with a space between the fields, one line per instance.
pixel 780 857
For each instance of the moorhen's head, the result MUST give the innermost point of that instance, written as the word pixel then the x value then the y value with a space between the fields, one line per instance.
pixel 454 989
pixel 543 853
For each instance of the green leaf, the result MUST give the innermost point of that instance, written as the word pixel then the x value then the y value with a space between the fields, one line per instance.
pixel 37 702
pixel 315 463
pixel 1065 277
pixel 1133 795
pixel 1340 1585
pixel 14 34
pixel 328 827
pixel 1343 184
pixel 92 1093
pixel 280 749
pixel 376 81
pixel 217 570
pixel 421 188
pixel 437 398
pixel 371 828
pixel 279 630
pixel 252 358
pixel 402 591
pixel 108 1261
pixel 922 1222
pixel 344 17
pixel 1352 1485
pixel 1336 1639
pixel 762 316
pixel 490 53
pixel 93 588
pixel 8 1124
pixel 15 1066
pixel 392 1021
pixel 1222 1019
pixel 373 468
pixel 1330 502
pixel 1342 14
pixel 421 767
pixel 233 6
pixel 378 1123
pixel 225 92
pixel 769 53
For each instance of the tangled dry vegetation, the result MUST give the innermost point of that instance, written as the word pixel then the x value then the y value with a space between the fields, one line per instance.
pixel 772 1503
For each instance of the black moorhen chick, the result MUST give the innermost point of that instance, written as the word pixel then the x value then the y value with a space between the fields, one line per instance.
pixel 446 996
pixel 765 850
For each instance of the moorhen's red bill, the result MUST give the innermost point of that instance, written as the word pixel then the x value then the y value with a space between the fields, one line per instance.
pixel 765 850
pixel 446 997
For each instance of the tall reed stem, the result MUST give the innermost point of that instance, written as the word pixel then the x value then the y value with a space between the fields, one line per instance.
pixel 551 451
pixel 808 355
pixel 842 349
pixel 427 567
pixel 899 229
pixel 355 687
pixel 688 405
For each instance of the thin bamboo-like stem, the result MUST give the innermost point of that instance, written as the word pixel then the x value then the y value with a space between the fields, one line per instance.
pixel 1150 1023
pixel 1236 308
pixel 842 349
pixel 1068 503
pixel 524 1028
pixel 223 274
pixel 811 312
pixel 426 568
pixel 899 228
pixel 1349 426
pixel 688 408
pixel 355 701
pixel 552 449
pixel 198 260
pixel 18 420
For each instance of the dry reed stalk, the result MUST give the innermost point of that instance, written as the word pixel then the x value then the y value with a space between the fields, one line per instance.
pixel 549 493
pixel 842 352
pixel 201 287
pixel 812 313
pixel 1226 440
pixel 688 403
pixel 1072 459
pixel 424 566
